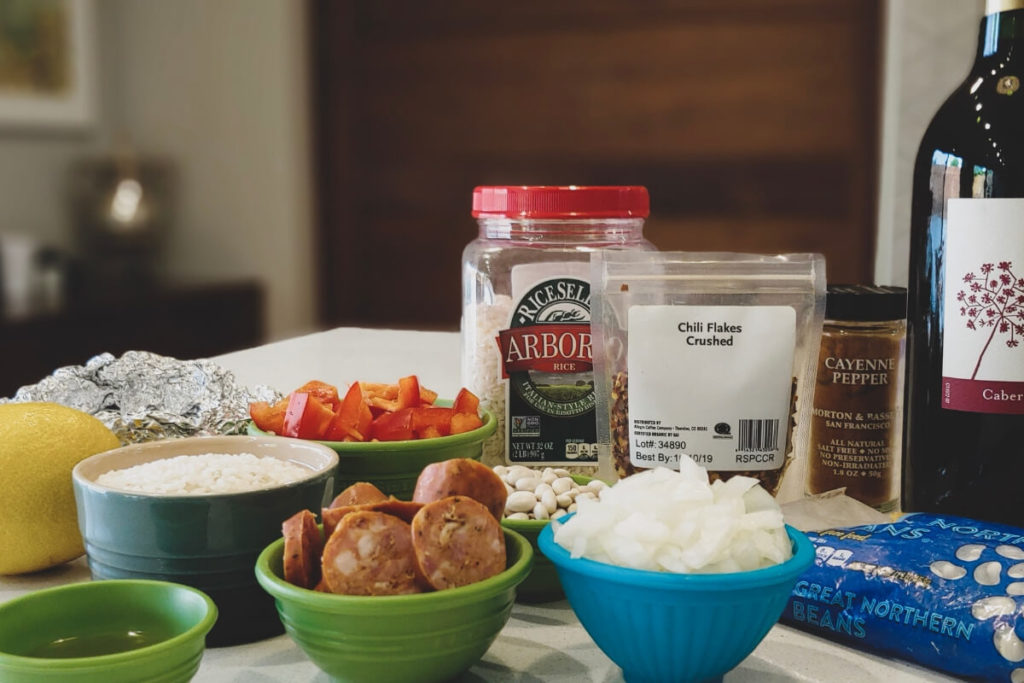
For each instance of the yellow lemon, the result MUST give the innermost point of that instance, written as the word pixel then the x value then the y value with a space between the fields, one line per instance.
pixel 40 443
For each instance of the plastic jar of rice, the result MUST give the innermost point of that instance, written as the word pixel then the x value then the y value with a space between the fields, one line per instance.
pixel 526 344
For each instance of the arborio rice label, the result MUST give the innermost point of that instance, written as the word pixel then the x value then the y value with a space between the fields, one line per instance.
pixel 944 592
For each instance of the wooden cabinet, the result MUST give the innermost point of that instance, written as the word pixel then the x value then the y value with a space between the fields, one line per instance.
pixel 752 122
pixel 183 322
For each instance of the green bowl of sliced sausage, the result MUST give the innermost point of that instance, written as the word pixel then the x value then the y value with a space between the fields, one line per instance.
pixel 422 637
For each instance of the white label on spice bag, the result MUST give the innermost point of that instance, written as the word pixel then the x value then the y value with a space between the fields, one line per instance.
pixel 710 382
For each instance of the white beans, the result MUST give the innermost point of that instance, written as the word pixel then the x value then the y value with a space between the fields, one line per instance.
pixel 563 484
pixel 547 494
pixel 947 570
pixel 970 552
pixel 995 606
pixel 1007 643
pixel 520 501
pixel 1010 552
pixel 987 573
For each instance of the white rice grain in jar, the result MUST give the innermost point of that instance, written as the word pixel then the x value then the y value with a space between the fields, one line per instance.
pixel 526 344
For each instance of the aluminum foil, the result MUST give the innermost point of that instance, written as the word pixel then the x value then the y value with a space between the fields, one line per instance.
pixel 143 396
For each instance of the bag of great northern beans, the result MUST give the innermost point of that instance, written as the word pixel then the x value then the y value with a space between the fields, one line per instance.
pixel 943 592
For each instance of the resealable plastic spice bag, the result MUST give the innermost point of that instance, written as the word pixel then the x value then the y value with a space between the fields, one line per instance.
pixel 706 355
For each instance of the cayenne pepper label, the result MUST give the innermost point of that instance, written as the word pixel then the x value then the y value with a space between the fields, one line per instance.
pixel 855 419
pixel 547 362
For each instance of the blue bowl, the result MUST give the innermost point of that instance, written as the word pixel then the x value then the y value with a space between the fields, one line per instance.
pixel 660 626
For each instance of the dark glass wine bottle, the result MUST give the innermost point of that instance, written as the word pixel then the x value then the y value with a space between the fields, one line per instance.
pixel 963 450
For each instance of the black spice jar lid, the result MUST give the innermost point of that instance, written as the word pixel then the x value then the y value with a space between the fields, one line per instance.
pixel 865 303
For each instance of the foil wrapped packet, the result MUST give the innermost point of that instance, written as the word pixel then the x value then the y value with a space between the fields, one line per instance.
pixel 144 396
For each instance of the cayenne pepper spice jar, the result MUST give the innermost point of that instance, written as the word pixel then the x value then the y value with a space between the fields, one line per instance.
pixel 857 416
pixel 526 344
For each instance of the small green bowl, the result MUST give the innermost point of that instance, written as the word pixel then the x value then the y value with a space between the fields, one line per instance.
pixel 113 631
pixel 209 542
pixel 394 466
pixel 418 638
pixel 542 585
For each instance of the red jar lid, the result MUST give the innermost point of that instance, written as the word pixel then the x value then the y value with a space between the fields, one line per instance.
pixel 561 201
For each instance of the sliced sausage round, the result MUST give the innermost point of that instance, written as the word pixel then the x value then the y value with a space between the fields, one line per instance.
pixel 462 477
pixel 358 494
pixel 370 553
pixel 457 541
pixel 302 547
pixel 403 509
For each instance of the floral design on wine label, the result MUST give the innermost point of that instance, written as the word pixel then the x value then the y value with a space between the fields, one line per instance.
pixel 993 301
pixel 983 307
pixel 1007 85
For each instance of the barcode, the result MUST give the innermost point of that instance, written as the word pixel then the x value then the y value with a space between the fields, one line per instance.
pixel 758 435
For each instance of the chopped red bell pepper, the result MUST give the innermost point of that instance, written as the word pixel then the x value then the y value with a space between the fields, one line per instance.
pixel 396 426
pixel 323 392
pixel 408 392
pixel 385 412
pixel 465 422
pixel 269 418
pixel 379 390
pixel 353 418
pixel 426 418
pixel 466 402
pixel 306 417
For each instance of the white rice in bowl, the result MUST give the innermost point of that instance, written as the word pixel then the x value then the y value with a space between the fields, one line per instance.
pixel 205 474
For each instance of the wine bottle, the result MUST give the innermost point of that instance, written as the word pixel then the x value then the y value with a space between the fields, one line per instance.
pixel 964 399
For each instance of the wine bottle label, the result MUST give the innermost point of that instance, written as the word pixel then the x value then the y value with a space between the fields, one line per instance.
pixel 996 6
pixel 690 373
pixel 983 307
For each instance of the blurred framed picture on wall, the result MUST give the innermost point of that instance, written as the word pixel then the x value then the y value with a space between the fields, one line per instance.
pixel 47 63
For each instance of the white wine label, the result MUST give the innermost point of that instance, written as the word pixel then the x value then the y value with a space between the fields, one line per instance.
pixel 691 374
pixel 983 306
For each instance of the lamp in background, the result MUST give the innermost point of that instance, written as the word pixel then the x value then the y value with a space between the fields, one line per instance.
pixel 121 210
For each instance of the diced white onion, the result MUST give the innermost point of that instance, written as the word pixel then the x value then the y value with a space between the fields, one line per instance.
pixel 676 521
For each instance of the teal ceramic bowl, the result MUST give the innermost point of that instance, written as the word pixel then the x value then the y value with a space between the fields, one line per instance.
pixel 397 638
pixel 660 626
pixel 393 466
pixel 105 632
pixel 542 585
pixel 209 542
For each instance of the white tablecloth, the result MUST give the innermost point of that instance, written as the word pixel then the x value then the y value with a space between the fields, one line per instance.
pixel 540 642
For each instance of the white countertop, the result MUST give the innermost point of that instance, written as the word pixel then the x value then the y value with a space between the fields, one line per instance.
pixel 540 642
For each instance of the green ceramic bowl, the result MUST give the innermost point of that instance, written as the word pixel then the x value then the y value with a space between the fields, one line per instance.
pixel 397 638
pixel 542 585
pixel 105 632
pixel 209 542
pixel 393 466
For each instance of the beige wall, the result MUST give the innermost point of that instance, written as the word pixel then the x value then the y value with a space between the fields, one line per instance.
pixel 929 48
pixel 220 88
